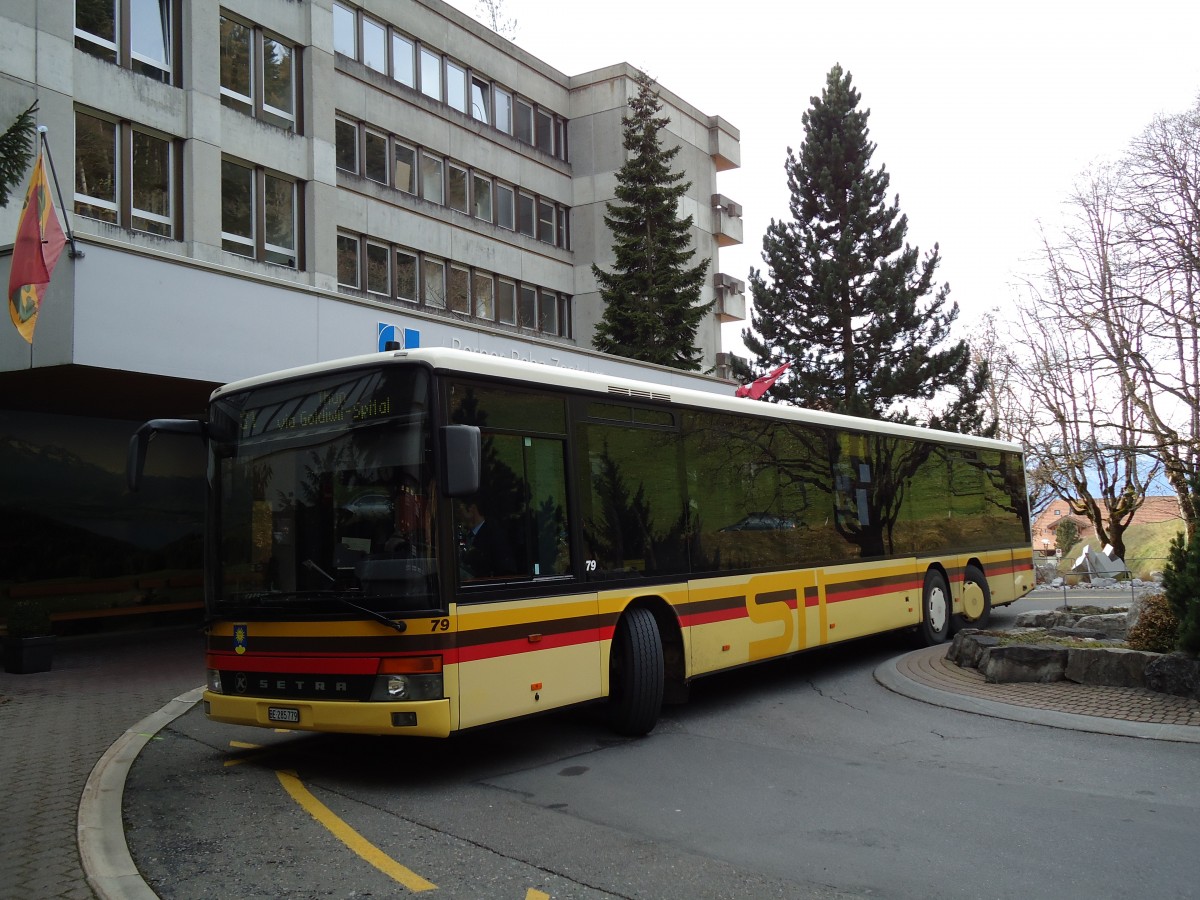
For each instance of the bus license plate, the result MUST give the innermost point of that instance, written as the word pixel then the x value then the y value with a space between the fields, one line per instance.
pixel 283 714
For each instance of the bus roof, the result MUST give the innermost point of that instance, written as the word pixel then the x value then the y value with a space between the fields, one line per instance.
pixel 538 374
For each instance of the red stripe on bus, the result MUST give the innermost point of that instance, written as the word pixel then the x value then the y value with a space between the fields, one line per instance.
pixel 495 650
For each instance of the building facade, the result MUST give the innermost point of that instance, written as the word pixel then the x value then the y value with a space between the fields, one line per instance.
pixel 256 184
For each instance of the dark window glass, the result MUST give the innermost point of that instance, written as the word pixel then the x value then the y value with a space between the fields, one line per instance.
pixel 525 214
pixel 523 121
pixel 237 208
pixel 378 277
pixel 95 167
pixel 376 154
pixel 545 221
pixel 506 302
pixel 406 169
pixel 406 276
pixel 459 291
pixel 346 149
pixel 505 206
pixel 347 260
pixel 634 515
pixel 545 131
pixel 527 307
pixel 456 188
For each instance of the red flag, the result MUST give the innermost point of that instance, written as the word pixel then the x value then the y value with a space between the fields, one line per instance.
pixel 39 242
pixel 761 385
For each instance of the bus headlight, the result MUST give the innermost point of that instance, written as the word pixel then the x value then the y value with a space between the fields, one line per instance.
pixel 214 681
pixel 403 678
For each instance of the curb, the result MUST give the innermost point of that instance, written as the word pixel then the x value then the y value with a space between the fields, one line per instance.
pixel 100 830
pixel 888 675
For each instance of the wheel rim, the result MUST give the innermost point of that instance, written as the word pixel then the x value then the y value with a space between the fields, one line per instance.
pixel 936 611
pixel 973 602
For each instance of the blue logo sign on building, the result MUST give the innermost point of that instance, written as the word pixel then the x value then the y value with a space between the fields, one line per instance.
pixel 406 338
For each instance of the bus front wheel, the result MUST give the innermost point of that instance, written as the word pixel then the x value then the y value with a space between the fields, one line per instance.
pixel 636 674
pixel 935 610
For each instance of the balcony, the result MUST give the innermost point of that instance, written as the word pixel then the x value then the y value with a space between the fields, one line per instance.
pixel 730 304
pixel 727 221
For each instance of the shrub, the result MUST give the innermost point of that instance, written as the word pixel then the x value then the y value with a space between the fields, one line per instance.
pixel 1181 583
pixel 1157 629
pixel 28 618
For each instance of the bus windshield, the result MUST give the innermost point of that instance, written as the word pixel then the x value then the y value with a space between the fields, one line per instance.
pixel 322 492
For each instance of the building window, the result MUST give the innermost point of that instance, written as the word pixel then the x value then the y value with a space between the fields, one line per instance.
pixel 259 215
pixel 563 239
pixel 548 312
pixel 483 197
pixel 456 86
pixel 237 208
pixel 258 74
pixel 406 276
pixel 346 146
pixel 456 192
pixel 434 272
pixel 96 168
pixel 279 220
pixel 525 214
pixel 375 151
pixel 374 45
pixel 406 169
pixel 523 122
pixel 545 221
pixel 403 65
pixel 125 175
pixel 484 306
pixel 347 261
pixel 151 189
pixel 481 91
pixel 560 141
pixel 345 31
pixel 134 34
pixel 527 306
pixel 379 278
pixel 506 302
pixel 432 188
pixel 504 111
pixel 505 207
pixel 545 131
pixel 459 291
pixel 431 74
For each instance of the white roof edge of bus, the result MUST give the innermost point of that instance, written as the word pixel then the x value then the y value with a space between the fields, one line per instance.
pixel 472 363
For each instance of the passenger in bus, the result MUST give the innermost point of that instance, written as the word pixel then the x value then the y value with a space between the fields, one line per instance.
pixel 484 550
pixel 409 534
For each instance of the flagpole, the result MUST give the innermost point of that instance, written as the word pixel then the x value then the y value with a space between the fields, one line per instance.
pixel 74 252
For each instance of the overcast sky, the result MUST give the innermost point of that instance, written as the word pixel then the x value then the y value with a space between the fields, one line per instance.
pixel 984 114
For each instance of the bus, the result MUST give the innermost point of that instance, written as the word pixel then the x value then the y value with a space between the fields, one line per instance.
pixel 420 542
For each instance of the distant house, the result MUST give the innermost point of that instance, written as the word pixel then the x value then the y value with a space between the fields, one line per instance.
pixel 1154 509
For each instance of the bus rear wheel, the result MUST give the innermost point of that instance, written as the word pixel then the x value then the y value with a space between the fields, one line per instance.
pixel 636 674
pixel 977 600
pixel 935 610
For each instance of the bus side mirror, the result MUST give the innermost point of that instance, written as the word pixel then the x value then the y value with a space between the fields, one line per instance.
pixel 461 452
pixel 136 460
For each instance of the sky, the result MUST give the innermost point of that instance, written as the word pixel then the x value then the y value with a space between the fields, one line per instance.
pixel 984 114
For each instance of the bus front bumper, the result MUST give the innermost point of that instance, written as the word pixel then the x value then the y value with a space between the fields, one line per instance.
pixel 426 718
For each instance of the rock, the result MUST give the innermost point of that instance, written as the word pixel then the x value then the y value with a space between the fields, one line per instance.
pixel 1112 625
pixel 1084 634
pixel 1038 618
pixel 1023 662
pixel 1114 666
pixel 968 646
pixel 1174 673
pixel 1057 582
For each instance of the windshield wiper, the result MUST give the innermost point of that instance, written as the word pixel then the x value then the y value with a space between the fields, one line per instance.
pixel 278 599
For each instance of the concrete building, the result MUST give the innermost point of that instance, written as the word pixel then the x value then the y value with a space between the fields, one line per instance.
pixel 254 185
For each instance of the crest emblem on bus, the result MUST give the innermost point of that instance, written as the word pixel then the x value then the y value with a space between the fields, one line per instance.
pixel 240 635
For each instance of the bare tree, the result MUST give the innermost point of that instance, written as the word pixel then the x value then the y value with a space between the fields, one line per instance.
pixel 492 14
pixel 1086 424
pixel 1158 320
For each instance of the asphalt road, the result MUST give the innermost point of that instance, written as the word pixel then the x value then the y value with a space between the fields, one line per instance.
pixel 797 779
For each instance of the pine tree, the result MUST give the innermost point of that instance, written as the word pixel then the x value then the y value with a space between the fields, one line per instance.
pixel 651 296
pixel 16 149
pixel 848 300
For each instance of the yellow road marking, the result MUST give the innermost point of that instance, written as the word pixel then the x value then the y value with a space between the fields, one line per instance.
pixel 532 894
pixel 242 745
pixel 351 838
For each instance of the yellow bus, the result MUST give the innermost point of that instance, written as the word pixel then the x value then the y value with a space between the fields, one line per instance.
pixel 420 542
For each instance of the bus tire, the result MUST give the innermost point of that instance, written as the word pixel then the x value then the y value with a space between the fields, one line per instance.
pixel 935 610
pixel 977 600
pixel 636 674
